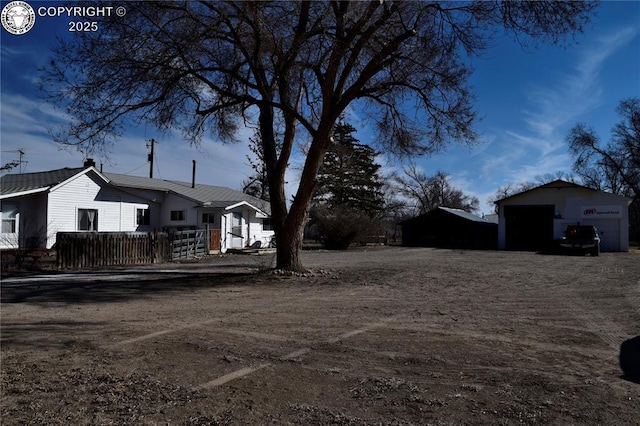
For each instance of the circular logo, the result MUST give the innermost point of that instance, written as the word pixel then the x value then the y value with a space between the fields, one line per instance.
pixel 18 17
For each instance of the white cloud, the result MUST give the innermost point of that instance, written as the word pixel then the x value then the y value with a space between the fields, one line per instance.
pixel 25 124
pixel 576 92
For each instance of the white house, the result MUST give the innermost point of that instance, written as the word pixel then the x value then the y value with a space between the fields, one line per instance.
pixel 241 218
pixel 533 219
pixel 35 206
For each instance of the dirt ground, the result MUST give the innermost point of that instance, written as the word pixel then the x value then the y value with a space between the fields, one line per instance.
pixel 391 336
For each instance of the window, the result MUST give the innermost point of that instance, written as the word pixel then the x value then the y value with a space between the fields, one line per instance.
pixel 208 218
pixel 87 220
pixel 9 218
pixel 267 225
pixel 177 215
pixel 143 217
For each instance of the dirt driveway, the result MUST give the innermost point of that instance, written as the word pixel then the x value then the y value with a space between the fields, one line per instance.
pixel 386 336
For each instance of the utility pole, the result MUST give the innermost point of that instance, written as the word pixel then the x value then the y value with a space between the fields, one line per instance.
pixel 15 163
pixel 150 157
pixel 21 152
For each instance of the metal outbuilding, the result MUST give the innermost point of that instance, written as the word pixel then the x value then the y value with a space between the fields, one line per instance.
pixel 449 228
pixel 534 219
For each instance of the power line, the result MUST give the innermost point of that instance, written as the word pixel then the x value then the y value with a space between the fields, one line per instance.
pixel 136 169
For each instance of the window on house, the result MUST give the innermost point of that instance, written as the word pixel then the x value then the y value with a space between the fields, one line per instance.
pixel 177 215
pixel 9 218
pixel 143 217
pixel 87 220
pixel 208 218
pixel 267 225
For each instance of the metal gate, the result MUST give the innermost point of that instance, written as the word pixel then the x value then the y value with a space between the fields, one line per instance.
pixel 189 244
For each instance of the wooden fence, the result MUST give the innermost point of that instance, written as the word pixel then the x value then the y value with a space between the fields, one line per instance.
pixel 77 250
pixel 189 244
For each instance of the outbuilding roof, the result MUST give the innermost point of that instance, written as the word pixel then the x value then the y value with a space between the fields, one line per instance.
pixel 465 215
pixel 556 184
pixel 456 212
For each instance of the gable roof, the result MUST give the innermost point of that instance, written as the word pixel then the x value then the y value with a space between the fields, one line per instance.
pixel 559 184
pixel 17 184
pixel 202 195
pixel 465 215
pixel 456 212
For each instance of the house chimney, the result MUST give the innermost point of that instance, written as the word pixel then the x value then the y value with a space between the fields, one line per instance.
pixel 89 162
pixel 193 175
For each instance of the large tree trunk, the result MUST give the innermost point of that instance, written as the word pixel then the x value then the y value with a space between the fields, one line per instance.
pixel 289 224
pixel 290 239
pixel 289 246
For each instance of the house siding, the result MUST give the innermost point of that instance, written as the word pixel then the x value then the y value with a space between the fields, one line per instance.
pixel 31 222
pixel 257 232
pixel 149 199
pixel 117 199
pixel 173 202
pixel 116 210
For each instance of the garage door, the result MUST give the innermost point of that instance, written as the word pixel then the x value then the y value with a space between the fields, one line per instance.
pixel 529 227
pixel 609 230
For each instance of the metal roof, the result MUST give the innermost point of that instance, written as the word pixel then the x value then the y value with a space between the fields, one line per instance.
pixel 202 195
pixel 457 212
pixel 559 184
pixel 23 182
pixel 465 215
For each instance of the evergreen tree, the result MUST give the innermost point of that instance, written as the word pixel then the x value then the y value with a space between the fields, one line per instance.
pixel 257 184
pixel 348 200
pixel 349 175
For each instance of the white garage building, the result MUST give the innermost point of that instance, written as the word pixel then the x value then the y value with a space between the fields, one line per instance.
pixel 533 219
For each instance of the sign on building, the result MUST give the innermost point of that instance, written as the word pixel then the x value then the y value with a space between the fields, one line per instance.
pixel 601 212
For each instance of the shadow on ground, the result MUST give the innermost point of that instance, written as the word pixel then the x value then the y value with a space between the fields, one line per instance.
pixel 111 286
pixel 50 334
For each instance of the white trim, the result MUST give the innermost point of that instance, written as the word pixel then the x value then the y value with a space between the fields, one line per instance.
pixel 244 203
pixel 77 175
pixel 20 194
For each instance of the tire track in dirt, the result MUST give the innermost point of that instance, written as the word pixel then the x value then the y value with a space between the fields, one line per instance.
pixel 161 333
pixel 588 310
pixel 501 338
pixel 292 355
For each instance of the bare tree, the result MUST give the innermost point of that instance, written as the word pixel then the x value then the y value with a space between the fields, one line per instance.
pixel 614 167
pixel 10 165
pixel 430 192
pixel 292 68
pixel 511 189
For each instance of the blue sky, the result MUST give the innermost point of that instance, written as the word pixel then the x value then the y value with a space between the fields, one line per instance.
pixel 527 99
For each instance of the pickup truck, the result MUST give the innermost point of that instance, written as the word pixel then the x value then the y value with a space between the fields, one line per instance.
pixel 581 238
